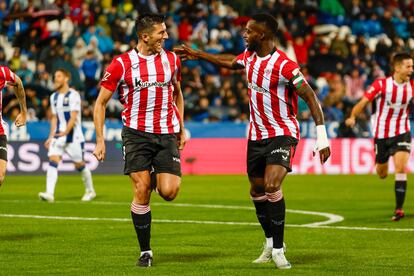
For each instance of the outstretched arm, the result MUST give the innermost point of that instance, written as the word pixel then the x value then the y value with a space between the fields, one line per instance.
pixel 223 60
pixel 357 109
pixel 21 97
pixel 322 144
pixel 98 120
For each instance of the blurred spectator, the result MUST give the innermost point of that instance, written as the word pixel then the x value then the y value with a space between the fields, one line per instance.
pixel 25 74
pixel 355 85
pixel 90 71
pixel 184 30
pixel 200 112
pixel 2 58
pixel 332 104
pixel 301 46
pixel 15 61
pixel 33 103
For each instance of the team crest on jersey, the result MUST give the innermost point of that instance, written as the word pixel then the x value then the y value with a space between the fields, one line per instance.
pixel 65 101
pixel 166 65
pixel 267 72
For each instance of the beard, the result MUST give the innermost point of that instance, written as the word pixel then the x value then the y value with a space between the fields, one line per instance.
pixel 252 46
pixel 58 86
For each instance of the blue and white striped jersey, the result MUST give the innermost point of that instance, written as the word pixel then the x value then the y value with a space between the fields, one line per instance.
pixel 62 105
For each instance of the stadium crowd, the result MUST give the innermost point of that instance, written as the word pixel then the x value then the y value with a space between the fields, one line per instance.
pixel 342 46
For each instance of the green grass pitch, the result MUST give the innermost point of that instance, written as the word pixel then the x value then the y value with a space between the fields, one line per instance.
pixel 60 241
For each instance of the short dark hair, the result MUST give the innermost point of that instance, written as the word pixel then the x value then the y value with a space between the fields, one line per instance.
pixel 146 21
pixel 268 20
pixel 399 57
pixel 65 72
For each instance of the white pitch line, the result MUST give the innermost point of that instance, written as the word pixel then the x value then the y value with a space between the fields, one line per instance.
pixel 208 222
pixel 332 218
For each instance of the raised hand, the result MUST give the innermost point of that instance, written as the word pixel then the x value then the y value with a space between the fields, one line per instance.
pixel 185 52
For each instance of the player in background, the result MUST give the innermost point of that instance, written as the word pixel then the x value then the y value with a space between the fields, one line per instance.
pixel 147 79
pixel 7 77
pixel 274 82
pixel 391 130
pixel 65 136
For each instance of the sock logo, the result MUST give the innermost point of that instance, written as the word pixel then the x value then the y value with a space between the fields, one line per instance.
pixel 143 226
pixel 277 222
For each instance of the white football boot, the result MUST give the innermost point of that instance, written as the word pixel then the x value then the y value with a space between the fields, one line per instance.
pixel 278 256
pixel 46 197
pixel 266 255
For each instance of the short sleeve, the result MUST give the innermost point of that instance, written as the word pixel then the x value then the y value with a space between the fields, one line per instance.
pixel 75 102
pixel 290 70
pixel 373 90
pixel 7 74
pixel 113 75
pixel 240 59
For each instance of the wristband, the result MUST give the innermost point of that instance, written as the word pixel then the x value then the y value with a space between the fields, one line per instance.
pixel 321 138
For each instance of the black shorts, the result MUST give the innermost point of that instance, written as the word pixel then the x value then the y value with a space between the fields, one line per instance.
pixel 3 147
pixel 143 151
pixel 384 148
pixel 276 151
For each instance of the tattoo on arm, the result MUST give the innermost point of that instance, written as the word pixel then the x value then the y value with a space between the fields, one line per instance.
pixel 20 94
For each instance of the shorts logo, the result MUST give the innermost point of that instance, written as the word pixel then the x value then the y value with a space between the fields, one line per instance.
pixel 3 148
pixel 404 144
pixel 284 153
pixel 176 160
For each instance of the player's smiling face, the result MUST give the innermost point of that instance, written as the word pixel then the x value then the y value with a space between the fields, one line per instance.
pixel 405 69
pixel 157 37
pixel 252 35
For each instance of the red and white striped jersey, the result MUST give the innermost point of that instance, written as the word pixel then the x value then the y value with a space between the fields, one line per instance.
pixel 6 75
pixel 145 85
pixel 273 102
pixel 392 101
